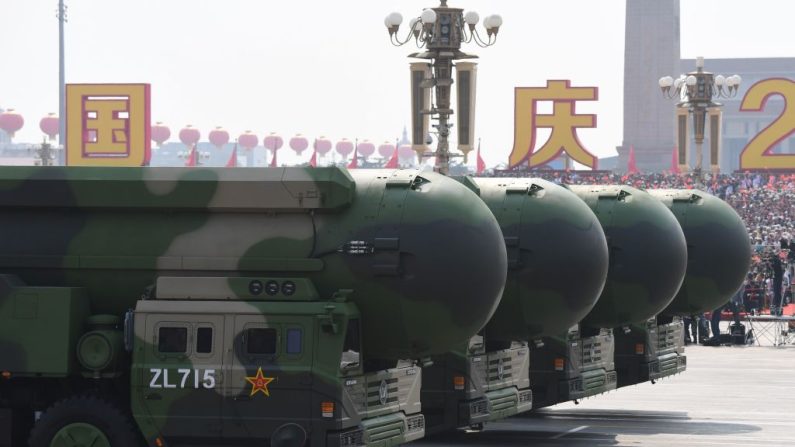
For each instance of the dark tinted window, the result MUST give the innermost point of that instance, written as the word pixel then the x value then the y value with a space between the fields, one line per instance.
pixel 261 341
pixel 204 340
pixel 294 337
pixel 172 339
pixel 352 342
pixel 350 351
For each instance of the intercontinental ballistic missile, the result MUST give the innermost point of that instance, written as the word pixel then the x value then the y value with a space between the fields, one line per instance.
pixel 420 255
pixel 557 265
pixel 557 257
pixel 648 255
pixel 718 248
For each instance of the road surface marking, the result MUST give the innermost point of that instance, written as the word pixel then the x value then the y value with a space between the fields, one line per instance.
pixel 573 430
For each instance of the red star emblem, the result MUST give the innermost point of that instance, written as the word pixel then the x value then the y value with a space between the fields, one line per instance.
pixel 259 383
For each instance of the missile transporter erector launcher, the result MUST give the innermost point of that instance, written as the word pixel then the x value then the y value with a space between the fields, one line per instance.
pixel 647 261
pixel 718 248
pixel 719 253
pixel 222 306
pixel 557 265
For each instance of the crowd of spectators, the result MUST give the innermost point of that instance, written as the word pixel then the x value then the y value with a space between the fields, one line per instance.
pixel 766 203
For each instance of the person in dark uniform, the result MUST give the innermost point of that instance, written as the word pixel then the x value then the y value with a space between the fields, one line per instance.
pixel 778 278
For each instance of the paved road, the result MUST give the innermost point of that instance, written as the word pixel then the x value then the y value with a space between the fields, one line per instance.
pixel 728 397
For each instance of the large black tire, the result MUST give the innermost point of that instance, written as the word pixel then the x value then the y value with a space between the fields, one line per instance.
pixel 103 415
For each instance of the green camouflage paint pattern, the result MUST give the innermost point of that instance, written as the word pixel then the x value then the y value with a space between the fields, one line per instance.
pixel 434 280
pixel 557 253
pixel 648 255
pixel 718 247
pixel 418 256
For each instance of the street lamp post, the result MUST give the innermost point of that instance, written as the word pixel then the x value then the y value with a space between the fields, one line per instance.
pixel 61 15
pixel 45 154
pixel 441 31
pixel 695 92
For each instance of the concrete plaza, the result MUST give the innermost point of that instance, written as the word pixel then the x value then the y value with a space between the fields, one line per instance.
pixel 728 397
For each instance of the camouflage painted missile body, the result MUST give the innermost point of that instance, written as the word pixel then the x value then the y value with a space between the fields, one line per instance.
pixel 718 248
pixel 719 253
pixel 647 259
pixel 557 257
pixel 648 255
pixel 430 275
pixel 382 265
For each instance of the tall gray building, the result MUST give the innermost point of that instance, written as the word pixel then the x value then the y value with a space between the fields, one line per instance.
pixel 651 47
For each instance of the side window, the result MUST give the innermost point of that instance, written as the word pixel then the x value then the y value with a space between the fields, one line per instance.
pixel 294 341
pixel 261 341
pixel 204 340
pixel 352 346
pixel 172 340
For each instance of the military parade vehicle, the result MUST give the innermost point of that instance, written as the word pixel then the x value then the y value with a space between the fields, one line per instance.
pixel 551 238
pixel 718 257
pixel 647 262
pixel 204 306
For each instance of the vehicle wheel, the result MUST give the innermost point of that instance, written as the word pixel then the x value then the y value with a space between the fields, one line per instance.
pixel 84 421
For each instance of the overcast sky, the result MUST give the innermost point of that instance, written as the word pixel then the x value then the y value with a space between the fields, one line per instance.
pixel 327 68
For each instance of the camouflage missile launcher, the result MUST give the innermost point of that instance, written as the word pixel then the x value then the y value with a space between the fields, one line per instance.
pixel 552 238
pixel 557 258
pixel 718 258
pixel 222 305
pixel 647 262
pixel 648 255
pixel 718 248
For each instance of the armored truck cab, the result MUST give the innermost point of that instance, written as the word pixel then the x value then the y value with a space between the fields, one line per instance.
pixel 208 363
pixel 470 386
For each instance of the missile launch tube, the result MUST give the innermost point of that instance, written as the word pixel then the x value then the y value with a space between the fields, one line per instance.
pixel 648 255
pixel 557 257
pixel 421 255
pixel 718 248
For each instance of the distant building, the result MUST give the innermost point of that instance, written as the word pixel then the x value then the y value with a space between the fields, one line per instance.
pixel 740 127
pixel 651 51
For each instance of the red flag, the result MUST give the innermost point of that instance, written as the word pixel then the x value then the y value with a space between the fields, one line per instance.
pixel 355 161
pixel 273 161
pixel 192 157
pixel 481 165
pixel 313 160
pixel 393 160
pixel 232 163
pixel 632 166
pixel 675 161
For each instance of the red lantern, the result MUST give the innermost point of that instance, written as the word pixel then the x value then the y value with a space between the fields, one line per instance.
pixel 11 121
pixel 405 152
pixel 344 147
pixel 189 135
pixel 160 133
pixel 366 148
pixel 248 140
pixel 298 143
pixel 218 137
pixel 322 145
pixel 273 142
pixel 49 125
pixel 386 149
